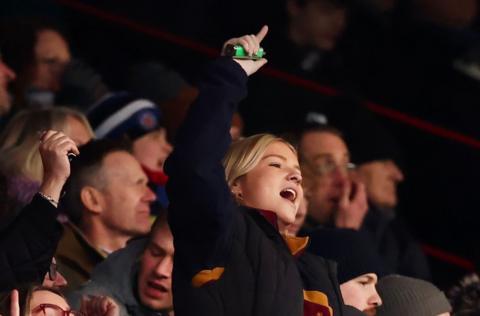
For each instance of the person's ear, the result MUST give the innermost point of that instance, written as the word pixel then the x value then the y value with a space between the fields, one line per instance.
pixel 92 199
pixel 236 190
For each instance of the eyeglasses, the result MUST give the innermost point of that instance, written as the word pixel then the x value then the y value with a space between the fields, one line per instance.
pixel 327 167
pixel 54 310
pixel 52 271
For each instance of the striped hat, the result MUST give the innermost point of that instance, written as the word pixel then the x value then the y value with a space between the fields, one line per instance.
pixel 120 114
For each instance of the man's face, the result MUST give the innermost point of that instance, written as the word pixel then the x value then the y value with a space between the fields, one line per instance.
pixel 361 293
pixel 126 197
pixel 322 22
pixel 51 55
pixel 152 149
pixel 6 76
pixel 325 169
pixel 381 178
pixel 155 275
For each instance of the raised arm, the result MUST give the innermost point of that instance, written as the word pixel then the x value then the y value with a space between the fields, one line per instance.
pixel 29 242
pixel 200 202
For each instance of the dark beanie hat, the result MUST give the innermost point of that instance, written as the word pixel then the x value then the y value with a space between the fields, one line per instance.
pixel 121 114
pixel 354 252
pixel 408 296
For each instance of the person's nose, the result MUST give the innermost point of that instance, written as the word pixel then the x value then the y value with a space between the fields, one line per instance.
pixel 295 176
pixel 164 267
pixel 149 195
pixel 397 174
pixel 375 299
pixel 167 148
pixel 340 176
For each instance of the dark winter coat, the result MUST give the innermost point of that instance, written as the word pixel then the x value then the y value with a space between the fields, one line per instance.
pixel 231 260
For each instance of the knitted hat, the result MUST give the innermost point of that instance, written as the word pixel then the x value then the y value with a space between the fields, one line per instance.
pixel 121 114
pixel 408 296
pixel 354 252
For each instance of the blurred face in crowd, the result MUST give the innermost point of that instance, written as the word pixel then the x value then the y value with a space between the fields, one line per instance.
pixel 361 293
pixel 381 178
pixel 51 55
pixel 274 184
pixel 6 76
pixel 450 13
pixel 125 198
pixel 236 129
pixel 152 149
pixel 77 131
pixel 54 303
pixel 318 23
pixel 155 275
pixel 53 278
pixel 325 168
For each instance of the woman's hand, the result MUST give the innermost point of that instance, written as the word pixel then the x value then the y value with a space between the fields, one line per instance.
pixel 54 148
pixel 251 44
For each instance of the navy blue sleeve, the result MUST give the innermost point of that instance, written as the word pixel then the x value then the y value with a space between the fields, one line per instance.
pixel 28 244
pixel 201 206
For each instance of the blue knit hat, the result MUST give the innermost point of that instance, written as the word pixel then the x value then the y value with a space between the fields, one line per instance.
pixel 121 114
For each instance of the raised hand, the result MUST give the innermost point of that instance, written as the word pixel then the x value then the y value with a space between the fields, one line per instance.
pixel 251 44
pixel 353 206
pixel 54 147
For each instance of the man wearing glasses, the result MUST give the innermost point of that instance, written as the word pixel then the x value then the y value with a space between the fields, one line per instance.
pixel 363 198
pixel 334 197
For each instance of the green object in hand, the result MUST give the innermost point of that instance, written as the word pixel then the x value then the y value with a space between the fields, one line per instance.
pixel 238 52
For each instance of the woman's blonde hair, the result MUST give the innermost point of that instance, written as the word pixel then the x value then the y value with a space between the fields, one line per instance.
pixel 245 154
pixel 19 141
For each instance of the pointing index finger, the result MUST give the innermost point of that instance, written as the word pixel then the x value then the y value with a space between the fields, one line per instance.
pixel 261 34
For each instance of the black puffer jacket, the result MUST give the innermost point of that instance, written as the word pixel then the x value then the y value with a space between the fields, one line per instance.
pixel 28 243
pixel 231 260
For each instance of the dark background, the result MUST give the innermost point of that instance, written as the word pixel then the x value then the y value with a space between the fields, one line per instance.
pixel 439 199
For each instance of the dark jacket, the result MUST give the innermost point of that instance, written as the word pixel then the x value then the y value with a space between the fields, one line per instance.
pixel 231 260
pixel 400 251
pixel 76 257
pixel 27 245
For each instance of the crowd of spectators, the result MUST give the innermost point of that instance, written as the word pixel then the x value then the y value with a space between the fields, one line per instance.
pixel 152 201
